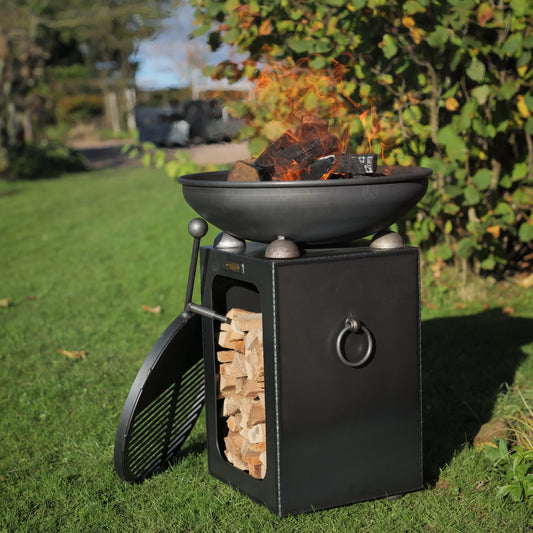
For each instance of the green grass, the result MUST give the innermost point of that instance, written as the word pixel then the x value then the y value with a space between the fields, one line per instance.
pixel 81 255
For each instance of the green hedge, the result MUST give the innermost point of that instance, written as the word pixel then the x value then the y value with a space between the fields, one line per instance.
pixel 450 83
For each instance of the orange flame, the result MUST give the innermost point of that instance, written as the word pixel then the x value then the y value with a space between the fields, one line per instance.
pixel 292 92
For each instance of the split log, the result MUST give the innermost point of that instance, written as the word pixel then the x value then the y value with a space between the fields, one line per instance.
pixel 242 171
pixel 267 157
pixel 241 386
pixel 254 434
pixel 231 340
pixel 225 356
pixel 341 166
pixel 230 406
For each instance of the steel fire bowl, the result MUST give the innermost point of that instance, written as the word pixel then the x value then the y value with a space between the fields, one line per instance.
pixel 308 212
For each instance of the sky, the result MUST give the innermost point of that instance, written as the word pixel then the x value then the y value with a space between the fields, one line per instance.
pixel 172 59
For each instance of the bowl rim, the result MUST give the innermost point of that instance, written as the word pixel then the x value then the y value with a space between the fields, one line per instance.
pixel 396 174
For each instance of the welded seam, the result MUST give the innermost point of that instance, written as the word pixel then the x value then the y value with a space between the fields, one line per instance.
pixel 420 369
pixel 276 391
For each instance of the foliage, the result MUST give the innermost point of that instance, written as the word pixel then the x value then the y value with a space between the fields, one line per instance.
pixel 50 49
pixel 79 108
pixel 451 83
pixel 44 160
pixel 179 164
pixel 517 466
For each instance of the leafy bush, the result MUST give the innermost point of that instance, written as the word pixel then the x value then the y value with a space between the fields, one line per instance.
pixel 44 160
pixel 451 83
pixel 175 165
pixel 79 108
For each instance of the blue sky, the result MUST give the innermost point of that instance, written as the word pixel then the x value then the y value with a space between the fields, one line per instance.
pixel 172 59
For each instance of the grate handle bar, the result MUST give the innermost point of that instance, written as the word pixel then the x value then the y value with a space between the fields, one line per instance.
pixel 198 228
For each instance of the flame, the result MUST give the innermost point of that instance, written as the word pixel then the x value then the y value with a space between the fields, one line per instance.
pixel 304 104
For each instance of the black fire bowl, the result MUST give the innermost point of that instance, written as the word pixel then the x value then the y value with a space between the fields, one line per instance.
pixel 307 212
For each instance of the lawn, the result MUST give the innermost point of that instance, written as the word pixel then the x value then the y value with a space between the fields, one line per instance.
pixel 79 258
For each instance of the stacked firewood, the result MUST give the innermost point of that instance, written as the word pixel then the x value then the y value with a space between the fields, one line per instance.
pixel 242 387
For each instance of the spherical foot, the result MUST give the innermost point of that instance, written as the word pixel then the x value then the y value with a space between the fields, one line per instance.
pixel 225 241
pixel 282 248
pixel 387 240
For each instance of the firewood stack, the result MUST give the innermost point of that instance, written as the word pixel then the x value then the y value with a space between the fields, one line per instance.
pixel 242 386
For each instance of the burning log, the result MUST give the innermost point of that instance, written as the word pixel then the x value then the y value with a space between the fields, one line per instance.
pixel 342 166
pixel 266 159
pixel 296 157
pixel 311 153
pixel 241 385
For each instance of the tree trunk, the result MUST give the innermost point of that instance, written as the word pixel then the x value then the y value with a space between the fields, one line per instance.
pixel 28 126
pixel 130 98
pixel 111 103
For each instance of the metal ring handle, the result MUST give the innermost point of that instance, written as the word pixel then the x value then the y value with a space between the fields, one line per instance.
pixel 351 325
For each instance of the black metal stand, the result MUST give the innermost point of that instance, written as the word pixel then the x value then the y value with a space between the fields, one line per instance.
pixel 338 429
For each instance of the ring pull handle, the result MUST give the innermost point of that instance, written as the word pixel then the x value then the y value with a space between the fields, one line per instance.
pixel 352 325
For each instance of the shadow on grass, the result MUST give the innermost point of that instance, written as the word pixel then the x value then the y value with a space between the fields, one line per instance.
pixel 192 446
pixel 466 362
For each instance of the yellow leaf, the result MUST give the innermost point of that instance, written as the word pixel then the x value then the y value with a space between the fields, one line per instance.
pixel 4 302
pixel 265 28
pixel 415 34
pixel 522 70
pixel 76 354
pixel 522 107
pixel 484 14
pixel 452 104
pixel 154 310
pixel 494 231
pixel 408 22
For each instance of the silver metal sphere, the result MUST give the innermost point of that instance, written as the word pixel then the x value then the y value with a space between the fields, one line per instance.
pixel 225 241
pixel 387 240
pixel 197 228
pixel 282 248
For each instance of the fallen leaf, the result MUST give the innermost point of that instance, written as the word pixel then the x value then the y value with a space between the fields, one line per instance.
pixel 460 305
pixel 480 485
pixel 443 484
pixel 75 354
pixel 525 283
pixel 30 297
pixel 508 310
pixel 4 302
pixel 155 310
pixel 429 305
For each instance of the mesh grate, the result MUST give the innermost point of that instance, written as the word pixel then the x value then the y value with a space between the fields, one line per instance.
pixel 164 403
pixel 161 428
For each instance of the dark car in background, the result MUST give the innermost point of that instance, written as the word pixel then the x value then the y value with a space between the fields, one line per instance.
pixel 182 124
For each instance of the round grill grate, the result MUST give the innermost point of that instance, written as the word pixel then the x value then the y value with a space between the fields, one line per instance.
pixel 164 402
